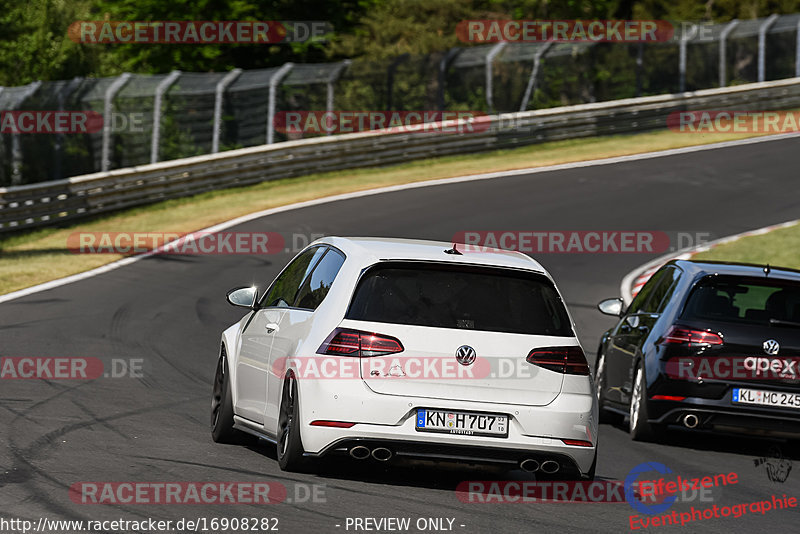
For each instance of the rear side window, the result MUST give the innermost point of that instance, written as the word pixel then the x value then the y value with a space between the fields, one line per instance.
pixel 460 297
pixel 287 285
pixel 662 292
pixel 316 286
pixel 744 300
pixel 656 285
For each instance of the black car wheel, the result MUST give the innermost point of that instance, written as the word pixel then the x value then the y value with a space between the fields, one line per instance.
pixel 640 428
pixel 290 445
pixel 600 389
pixel 222 430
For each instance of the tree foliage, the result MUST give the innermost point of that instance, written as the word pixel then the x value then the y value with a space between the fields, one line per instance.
pixel 35 45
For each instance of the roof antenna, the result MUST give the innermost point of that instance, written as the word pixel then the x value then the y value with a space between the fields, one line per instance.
pixel 767 270
pixel 453 250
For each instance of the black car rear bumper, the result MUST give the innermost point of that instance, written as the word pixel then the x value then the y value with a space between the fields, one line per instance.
pixel 723 415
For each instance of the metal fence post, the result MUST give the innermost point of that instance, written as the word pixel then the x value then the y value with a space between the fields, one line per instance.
pixel 762 45
pixel 111 91
pixel 2 149
pixel 797 52
pixel 274 81
pixel 335 74
pixel 723 43
pixel 496 49
pixel 161 88
pixel 685 38
pixel 531 87
pixel 16 144
pixel 219 93
pixel 444 63
pixel 58 156
pixel 639 68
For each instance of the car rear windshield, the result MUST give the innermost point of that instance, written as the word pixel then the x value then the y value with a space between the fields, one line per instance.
pixel 745 300
pixel 462 297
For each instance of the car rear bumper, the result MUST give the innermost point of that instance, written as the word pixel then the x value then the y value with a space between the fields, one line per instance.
pixel 422 450
pixel 535 432
pixel 724 416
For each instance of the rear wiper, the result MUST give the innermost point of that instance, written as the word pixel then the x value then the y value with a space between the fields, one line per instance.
pixel 780 322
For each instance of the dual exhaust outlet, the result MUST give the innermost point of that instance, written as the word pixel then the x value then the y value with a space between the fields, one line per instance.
pixel 531 466
pixel 360 452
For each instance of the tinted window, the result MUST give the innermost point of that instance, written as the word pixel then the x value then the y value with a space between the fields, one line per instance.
pixel 746 300
pixel 319 283
pixel 662 292
pixel 640 304
pixel 286 286
pixel 460 297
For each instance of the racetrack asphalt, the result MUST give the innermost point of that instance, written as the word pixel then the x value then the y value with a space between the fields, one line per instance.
pixel 169 311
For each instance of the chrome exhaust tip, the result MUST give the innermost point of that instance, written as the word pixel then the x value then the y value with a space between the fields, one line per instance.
pixel 530 465
pixel 690 420
pixel 549 467
pixel 382 454
pixel 359 452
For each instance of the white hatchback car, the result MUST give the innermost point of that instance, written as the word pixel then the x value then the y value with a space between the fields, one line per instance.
pixel 392 348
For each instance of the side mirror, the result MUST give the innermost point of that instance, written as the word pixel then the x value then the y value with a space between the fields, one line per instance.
pixel 611 307
pixel 243 296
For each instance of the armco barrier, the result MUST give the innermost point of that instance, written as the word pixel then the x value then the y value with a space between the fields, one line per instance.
pixel 51 203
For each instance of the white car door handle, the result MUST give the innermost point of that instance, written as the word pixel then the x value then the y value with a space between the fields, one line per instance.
pixel 271 327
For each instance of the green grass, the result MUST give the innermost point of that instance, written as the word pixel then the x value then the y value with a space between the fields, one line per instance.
pixel 39 256
pixel 779 248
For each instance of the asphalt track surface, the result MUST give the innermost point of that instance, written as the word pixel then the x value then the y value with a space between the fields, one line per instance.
pixel 169 311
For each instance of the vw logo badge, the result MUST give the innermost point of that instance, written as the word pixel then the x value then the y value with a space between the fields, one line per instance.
pixel 465 355
pixel 771 347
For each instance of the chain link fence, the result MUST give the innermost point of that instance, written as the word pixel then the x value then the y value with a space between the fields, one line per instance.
pixel 151 118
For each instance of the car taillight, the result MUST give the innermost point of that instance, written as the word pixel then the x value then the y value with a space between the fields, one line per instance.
pixel 344 342
pixel 566 360
pixel 679 335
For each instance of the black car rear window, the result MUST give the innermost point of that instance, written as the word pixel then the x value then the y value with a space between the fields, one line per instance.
pixel 461 297
pixel 744 300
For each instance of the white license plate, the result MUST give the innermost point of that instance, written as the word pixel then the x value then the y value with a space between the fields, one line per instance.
pixel 766 398
pixel 464 423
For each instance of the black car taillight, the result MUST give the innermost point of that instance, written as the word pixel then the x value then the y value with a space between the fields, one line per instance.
pixel 566 360
pixel 689 337
pixel 345 342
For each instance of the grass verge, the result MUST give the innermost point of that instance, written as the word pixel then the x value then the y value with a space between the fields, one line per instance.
pixel 40 256
pixel 779 248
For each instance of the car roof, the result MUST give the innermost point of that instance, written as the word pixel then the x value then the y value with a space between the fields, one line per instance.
pixel 701 268
pixel 370 250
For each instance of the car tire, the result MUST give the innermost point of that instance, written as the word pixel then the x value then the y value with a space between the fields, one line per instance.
pixel 576 474
pixel 222 430
pixel 640 429
pixel 600 387
pixel 290 446
pixel 590 475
